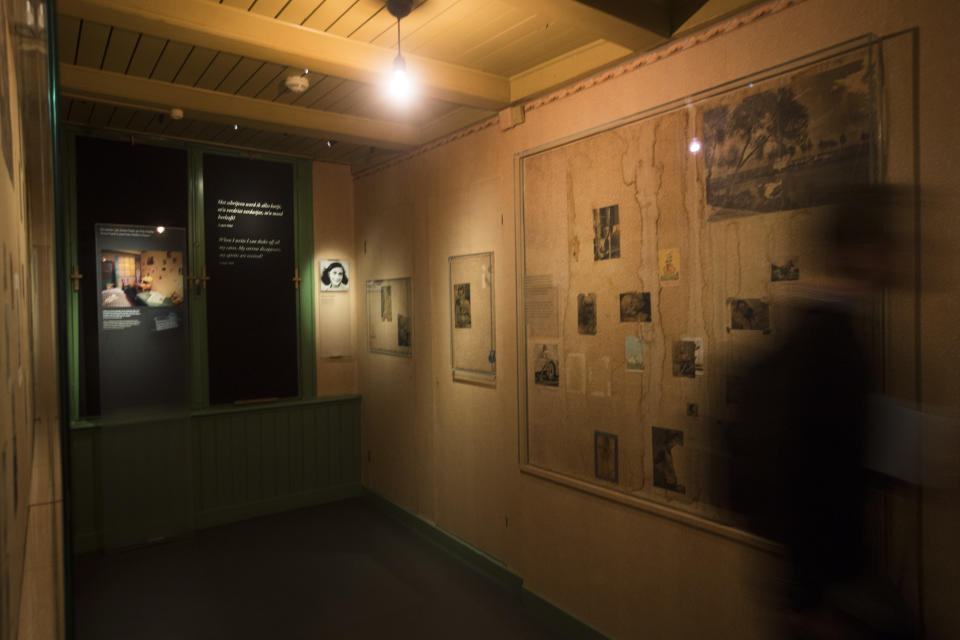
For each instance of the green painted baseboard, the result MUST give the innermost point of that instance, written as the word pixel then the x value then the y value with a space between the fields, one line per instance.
pixel 564 624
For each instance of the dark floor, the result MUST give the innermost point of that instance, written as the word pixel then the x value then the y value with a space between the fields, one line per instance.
pixel 342 570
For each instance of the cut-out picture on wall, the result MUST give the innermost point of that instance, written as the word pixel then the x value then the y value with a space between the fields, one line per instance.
pixel 546 365
pixel 461 306
pixel 134 279
pixel 606 456
pixel 587 313
pixel 635 306
pixel 785 269
pixel 334 275
pixel 668 262
pixel 665 465
pixel 606 232
pixel 386 304
pixel 633 351
pixel 403 330
pixel 684 359
pixel 749 314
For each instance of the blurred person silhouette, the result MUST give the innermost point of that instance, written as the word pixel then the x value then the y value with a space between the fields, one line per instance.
pixel 796 456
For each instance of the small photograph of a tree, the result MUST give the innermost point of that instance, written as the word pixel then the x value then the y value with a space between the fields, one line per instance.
pixel 787 142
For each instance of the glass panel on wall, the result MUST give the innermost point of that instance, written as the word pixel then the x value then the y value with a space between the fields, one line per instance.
pixel 133 346
pixel 252 286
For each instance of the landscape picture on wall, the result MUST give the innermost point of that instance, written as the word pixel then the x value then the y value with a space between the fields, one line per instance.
pixel 461 305
pixel 785 269
pixel 587 313
pixel 791 141
pixel 546 365
pixel 605 456
pixel 606 232
pixel 665 476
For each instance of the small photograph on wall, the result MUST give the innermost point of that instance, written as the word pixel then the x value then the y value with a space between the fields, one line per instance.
pixel 587 313
pixel 403 330
pixel 461 304
pixel 546 365
pixel 386 304
pixel 749 314
pixel 633 351
pixel 788 142
pixel 668 262
pixel 684 359
pixel 785 269
pixel 606 233
pixel 666 467
pixel 635 306
pixel 334 275
pixel 606 456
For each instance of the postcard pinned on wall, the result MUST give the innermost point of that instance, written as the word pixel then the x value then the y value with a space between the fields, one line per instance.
pixel 785 269
pixel 546 365
pixel 606 454
pixel 606 233
pixel 688 357
pixel 598 377
pixel 668 263
pixel 540 305
pixel 667 459
pixel 633 351
pixel 635 306
pixel 587 314
pixel 749 314
pixel 576 373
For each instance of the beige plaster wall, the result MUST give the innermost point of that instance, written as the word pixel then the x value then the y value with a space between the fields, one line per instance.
pixel 449 451
pixel 333 212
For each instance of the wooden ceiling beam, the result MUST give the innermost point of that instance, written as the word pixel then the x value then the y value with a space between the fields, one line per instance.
pixel 225 28
pixel 215 106
pixel 649 23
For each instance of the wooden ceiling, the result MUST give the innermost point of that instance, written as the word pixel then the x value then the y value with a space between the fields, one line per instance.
pixel 124 64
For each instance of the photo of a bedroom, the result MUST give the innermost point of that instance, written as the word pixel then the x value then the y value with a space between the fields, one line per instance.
pixel 140 278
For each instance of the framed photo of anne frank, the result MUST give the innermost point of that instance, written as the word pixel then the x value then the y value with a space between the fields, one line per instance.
pixel 472 323
pixel 334 275
pixel 390 316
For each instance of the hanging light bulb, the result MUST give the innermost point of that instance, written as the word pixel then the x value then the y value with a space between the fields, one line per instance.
pixel 399 85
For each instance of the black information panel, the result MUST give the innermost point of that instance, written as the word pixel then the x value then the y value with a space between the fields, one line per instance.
pixel 251 298
pixel 123 184
pixel 142 317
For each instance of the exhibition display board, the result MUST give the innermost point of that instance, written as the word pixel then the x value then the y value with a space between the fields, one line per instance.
pixel 143 317
pixel 668 262
pixel 473 355
pixel 390 316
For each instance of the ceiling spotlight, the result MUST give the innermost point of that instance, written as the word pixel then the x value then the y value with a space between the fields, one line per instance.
pixel 695 145
pixel 400 87
pixel 235 127
pixel 330 143
pixel 161 229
